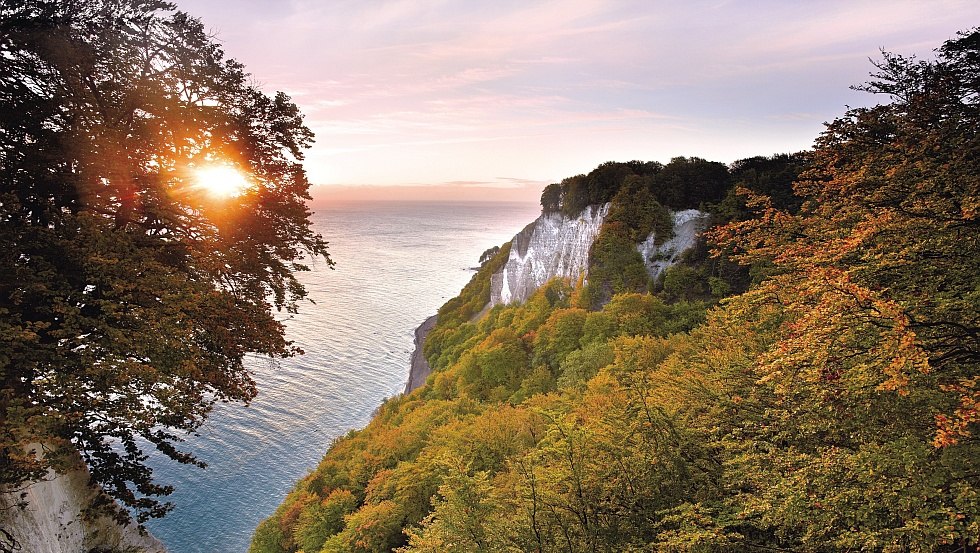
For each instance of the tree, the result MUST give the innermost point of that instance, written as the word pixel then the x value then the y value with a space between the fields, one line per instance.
pixel 771 175
pixel 551 198
pixel 873 369
pixel 886 239
pixel 688 182
pixel 129 296
pixel 465 516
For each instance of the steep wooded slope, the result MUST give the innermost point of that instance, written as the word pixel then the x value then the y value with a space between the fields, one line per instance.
pixel 830 403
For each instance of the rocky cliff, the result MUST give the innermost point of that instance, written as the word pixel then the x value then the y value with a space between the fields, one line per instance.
pixel 420 367
pixel 558 246
pixel 46 517
pixel 657 256
pixel 553 246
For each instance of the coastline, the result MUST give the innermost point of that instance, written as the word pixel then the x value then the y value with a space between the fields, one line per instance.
pixel 420 369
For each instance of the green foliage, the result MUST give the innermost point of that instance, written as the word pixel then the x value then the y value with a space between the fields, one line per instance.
pixel 636 208
pixel 540 380
pixel 690 182
pixel 372 528
pixel 681 184
pixel 494 387
pixel 499 361
pixel 320 520
pixel 488 254
pixel 718 287
pixel 576 193
pixel 684 282
pixel 559 336
pixel 129 297
pixel 465 516
pixel 551 198
pixel 771 176
pixel 615 266
pixel 268 538
pixel 831 407
pixel 579 366
pixel 449 338
pixel 598 327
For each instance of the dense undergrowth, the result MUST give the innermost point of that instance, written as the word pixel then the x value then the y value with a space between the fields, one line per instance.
pixel 828 403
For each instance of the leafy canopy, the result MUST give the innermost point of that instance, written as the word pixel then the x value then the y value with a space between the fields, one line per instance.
pixel 831 407
pixel 129 296
pixel 882 260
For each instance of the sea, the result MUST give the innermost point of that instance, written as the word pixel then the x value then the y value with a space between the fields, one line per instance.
pixel 396 264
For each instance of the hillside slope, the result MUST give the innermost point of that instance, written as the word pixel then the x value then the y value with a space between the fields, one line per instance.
pixel 828 402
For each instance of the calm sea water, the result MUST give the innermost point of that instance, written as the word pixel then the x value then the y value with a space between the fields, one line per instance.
pixel 396 264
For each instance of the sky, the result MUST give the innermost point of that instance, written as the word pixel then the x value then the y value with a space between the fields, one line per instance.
pixel 494 99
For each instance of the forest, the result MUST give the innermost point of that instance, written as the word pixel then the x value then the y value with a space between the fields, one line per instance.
pixel 805 380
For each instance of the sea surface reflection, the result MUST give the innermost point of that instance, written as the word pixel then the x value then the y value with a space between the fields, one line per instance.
pixel 396 264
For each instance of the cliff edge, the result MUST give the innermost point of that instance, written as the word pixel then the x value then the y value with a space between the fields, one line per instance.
pixel 554 245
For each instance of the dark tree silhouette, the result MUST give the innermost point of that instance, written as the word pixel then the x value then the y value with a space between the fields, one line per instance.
pixel 129 296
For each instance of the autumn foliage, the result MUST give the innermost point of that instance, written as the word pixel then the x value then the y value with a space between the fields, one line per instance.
pixel 833 406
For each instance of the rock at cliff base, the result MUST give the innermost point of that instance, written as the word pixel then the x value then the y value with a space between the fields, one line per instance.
pixel 46 517
pixel 420 369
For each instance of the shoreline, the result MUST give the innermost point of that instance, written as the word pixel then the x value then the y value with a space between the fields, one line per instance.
pixel 420 369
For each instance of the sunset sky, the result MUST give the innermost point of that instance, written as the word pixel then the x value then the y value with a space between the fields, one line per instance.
pixel 495 99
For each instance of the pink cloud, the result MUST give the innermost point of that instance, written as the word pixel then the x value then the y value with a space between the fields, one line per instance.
pixel 402 91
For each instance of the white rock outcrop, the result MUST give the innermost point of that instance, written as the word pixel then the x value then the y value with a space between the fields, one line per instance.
pixel 688 226
pixel 46 517
pixel 552 246
pixel 558 246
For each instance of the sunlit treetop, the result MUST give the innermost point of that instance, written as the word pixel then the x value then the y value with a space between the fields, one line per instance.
pixel 129 298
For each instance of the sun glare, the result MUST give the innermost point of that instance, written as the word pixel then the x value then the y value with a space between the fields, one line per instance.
pixel 222 181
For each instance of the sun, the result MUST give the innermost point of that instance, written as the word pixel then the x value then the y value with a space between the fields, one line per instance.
pixel 221 181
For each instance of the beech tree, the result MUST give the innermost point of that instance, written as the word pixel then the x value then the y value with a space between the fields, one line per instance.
pixel 130 293
pixel 870 385
pixel 880 266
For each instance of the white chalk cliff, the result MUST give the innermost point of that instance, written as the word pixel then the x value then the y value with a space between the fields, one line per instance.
pixel 558 246
pixel 552 246
pixel 688 226
pixel 46 517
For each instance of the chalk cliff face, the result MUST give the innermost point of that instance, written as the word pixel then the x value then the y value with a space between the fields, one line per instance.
pixel 46 517
pixel 553 246
pixel 557 246
pixel 688 226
